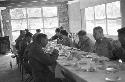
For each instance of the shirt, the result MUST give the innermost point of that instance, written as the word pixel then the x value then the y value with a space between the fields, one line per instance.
pixel 39 58
pixel 103 47
pixel 86 45
pixel 119 53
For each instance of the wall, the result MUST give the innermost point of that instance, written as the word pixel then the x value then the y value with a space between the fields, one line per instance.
pixel 63 16
pixel 74 17
pixel 123 12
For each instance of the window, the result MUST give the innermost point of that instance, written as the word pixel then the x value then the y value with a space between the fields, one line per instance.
pixel 34 12
pixel 18 13
pixel 107 16
pixel 49 11
pixel 44 18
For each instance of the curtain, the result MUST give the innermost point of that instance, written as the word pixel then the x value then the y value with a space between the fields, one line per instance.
pixel 7 29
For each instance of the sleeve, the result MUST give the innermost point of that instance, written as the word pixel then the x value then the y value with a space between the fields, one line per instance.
pixel 44 58
pixel 116 54
pixel 110 48
pixel 90 46
pixel 94 48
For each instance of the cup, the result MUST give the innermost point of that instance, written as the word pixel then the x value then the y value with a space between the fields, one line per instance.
pixel 111 74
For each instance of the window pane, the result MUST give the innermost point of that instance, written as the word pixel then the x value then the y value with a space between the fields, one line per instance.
pixel 34 31
pixel 89 13
pixel 89 26
pixel 18 13
pixel 35 23
pixel 113 26
pixel 100 12
pixel 18 24
pixel 49 11
pixel 113 9
pixel 102 23
pixel 15 35
pixel 50 22
pixel 34 12
pixel 50 32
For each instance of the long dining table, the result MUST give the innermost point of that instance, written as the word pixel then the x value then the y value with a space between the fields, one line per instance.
pixel 80 72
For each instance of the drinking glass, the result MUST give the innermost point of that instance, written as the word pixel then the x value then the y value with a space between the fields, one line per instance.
pixel 111 74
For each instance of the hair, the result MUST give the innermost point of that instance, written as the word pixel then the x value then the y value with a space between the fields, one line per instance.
pixel 81 33
pixel 57 30
pixel 121 31
pixel 64 32
pixel 38 30
pixel 27 30
pixel 61 28
pixel 40 36
pixel 22 31
pixel 99 28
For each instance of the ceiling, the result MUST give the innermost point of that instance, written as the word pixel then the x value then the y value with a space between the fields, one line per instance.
pixel 30 3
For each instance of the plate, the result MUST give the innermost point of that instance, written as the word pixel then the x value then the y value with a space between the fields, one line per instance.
pixel 113 80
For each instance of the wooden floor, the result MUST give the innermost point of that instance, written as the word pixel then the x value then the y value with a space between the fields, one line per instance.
pixel 8 74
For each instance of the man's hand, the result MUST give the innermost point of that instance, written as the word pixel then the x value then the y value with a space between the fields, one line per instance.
pixel 55 53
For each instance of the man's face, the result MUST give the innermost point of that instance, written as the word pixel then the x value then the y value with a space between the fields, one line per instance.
pixel 44 42
pixel 82 37
pixel 28 39
pixel 96 34
pixel 121 38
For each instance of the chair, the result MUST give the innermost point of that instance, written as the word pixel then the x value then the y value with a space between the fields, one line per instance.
pixel 27 69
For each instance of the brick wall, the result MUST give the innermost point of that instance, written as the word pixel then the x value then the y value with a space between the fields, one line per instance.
pixel 63 16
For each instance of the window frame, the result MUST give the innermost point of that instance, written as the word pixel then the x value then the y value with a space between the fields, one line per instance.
pixel 106 18
pixel 42 18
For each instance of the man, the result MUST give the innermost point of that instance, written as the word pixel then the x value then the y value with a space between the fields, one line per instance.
pixel 37 32
pixel 119 52
pixel 57 35
pixel 103 45
pixel 20 38
pixel 85 43
pixel 65 39
pixel 24 43
pixel 40 60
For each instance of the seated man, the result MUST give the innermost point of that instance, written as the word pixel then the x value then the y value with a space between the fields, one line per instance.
pixel 37 32
pixel 119 52
pixel 103 46
pixel 24 43
pixel 20 38
pixel 57 35
pixel 40 60
pixel 85 43
pixel 65 39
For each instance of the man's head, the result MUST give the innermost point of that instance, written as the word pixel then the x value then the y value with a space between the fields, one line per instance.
pixel 98 33
pixel 22 32
pixel 121 36
pixel 57 31
pixel 27 30
pixel 64 33
pixel 61 28
pixel 42 39
pixel 82 35
pixel 28 36
pixel 38 30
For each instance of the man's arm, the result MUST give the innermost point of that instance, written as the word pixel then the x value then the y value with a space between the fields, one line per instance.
pixel 45 58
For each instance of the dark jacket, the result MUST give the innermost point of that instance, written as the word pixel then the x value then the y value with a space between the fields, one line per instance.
pixel 119 53
pixel 41 60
